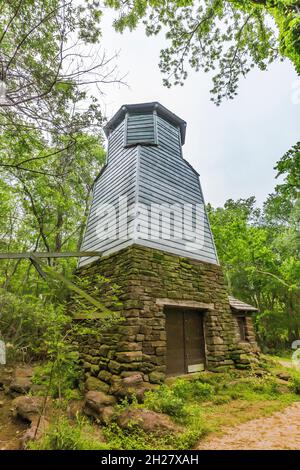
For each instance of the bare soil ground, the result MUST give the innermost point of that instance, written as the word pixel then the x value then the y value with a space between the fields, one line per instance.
pixel 280 431
pixel 11 429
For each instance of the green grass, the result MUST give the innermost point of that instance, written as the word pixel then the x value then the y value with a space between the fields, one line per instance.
pixel 281 355
pixel 199 404
pixel 64 435
pixel 208 403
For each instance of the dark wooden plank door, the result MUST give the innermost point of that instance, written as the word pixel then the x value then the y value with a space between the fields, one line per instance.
pixel 194 340
pixel 242 328
pixel 175 342
pixel 185 341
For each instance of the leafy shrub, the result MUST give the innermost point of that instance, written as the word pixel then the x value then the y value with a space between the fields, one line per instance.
pixel 181 388
pixel 192 389
pixel 201 390
pixel 125 403
pixel 60 379
pixel 23 321
pixel 172 400
pixel 164 400
pixel 39 327
pixel 295 383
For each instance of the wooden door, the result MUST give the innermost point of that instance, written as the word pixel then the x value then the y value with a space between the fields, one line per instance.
pixel 194 341
pixel 185 341
pixel 175 342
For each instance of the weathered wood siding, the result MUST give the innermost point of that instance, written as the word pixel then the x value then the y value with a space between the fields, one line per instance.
pixel 117 179
pixel 166 178
pixel 145 164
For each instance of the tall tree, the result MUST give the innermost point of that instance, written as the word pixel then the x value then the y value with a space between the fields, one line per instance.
pixel 260 253
pixel 41 47
pixel 51 144
pixel 226 37
pixel 49 55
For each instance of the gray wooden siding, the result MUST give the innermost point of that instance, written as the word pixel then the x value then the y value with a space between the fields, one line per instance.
pixel 166 178
pixel 148 174
pixel 117 179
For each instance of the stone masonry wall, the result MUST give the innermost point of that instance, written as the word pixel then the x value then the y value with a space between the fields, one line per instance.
pixel 138 345
pixel 245 351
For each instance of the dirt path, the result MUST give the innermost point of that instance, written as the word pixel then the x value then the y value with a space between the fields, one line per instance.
pixel 11 430
pixel 281 431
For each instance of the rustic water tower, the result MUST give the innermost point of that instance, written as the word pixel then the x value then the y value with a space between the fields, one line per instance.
pixel 148 219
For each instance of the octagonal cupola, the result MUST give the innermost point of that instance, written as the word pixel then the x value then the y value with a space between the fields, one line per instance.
pixel 141 123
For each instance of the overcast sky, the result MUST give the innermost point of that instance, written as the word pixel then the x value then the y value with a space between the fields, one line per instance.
pixel 234 147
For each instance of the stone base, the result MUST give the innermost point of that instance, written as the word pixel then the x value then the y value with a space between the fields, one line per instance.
pixel 148 280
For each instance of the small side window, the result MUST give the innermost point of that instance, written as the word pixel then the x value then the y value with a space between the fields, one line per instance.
pixel 242 325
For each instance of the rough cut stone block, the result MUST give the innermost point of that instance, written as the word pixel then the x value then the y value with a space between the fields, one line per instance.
pixel 105 375
pixel 156 377
pixel 94 384
pixel 129 356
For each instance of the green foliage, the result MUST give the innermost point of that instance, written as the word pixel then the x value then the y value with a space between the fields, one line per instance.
pixel 289 166
pixel 179 399
pixel 225 37
pixel 63 435
pixel 287 19
pixel 51 150
pixel 31 325
pixel 183 400
pixel 132 438
pixel 196 420
pixel 252 388
pixel 172 399
pixel 188 439
pixel 259 251
pixel 43 213
pixel 164 400
pixel 36 328
pixel 194 389
pixel 42 42
pixel 21 322
pixel 61 372
pixel 295 384
pixel 59 378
